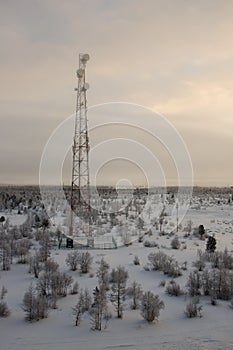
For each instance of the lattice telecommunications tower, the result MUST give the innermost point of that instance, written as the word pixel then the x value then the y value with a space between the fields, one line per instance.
pixel 80 185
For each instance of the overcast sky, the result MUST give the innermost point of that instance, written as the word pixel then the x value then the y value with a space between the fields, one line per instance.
pixel 173 56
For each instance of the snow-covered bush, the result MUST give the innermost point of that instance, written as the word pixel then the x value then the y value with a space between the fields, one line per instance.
pixel 150 244
pixel 135 293
pixel 151 306
pixel 84 261
pixel 136 260
pixel 193 308
pixel 174 289
pixel 4 310
pixel 72 260
pixel 103 274
pixel 194 283
pixel 34 305
pixel 74 288
pixel 165 263
pixel 175 243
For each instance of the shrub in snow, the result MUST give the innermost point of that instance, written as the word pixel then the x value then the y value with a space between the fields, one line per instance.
pixel 74 288
pixel 146 267
pixel 222 260
pixel 136 260
pixel 193 308
pixel 151 306
pixel 194 283
pixel 150 244
pixel 4 310
pixel 72 260
pixel 22 250
pixel 3 292
pixel 175 243
pixel 162 283
pixel 199 264
pixel 184 266
pixel 165 263
pixel 52 283
pixel 174 289
pixel 85 261
pixel 34 305
pixel 218 259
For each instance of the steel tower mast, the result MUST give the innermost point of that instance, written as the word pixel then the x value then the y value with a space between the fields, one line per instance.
pixel 80 185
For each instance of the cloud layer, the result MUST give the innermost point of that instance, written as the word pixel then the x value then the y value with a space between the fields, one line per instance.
pixel 175 57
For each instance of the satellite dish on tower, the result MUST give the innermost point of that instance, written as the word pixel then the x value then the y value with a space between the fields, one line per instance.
pixel 80 72
pixel 86 86
pixel 85 57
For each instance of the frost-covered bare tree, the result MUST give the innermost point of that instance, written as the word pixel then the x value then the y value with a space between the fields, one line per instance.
pixel 72 260
pixel 103 274
pixel 84 261
pixel 4 310
pixel 174 289
pixel 99 307
pixel 34 305
pixel 135 293
pixel 87 300
pixel 193 308
pixel 151 306
pixel 175 243
pixel 83 305
pixel 5 255
pixel 35 264
pixel 44 284
pixel 167 264
pixel 118 280
pixel 45 242
pixel 74 288
pixel 194 283
pixel 79 309
pixel 22 250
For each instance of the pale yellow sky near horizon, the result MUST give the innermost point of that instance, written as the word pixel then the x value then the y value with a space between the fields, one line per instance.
pixel 175 57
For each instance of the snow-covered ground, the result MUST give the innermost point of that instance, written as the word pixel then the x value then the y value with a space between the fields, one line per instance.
pixel 173 330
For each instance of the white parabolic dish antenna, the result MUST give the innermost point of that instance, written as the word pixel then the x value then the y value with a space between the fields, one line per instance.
pixel 80 72
pixel 86 86
pixel 85 57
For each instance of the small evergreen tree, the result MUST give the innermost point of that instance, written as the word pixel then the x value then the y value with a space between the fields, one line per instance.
pixel 201 231
pixel 211 244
